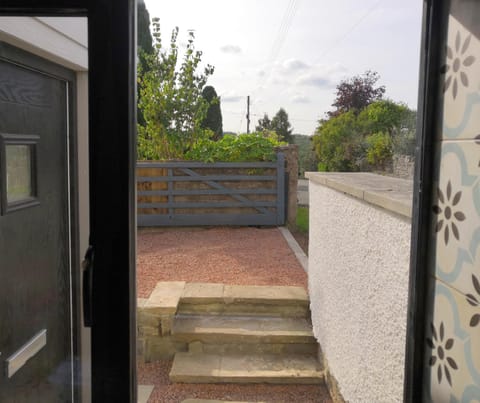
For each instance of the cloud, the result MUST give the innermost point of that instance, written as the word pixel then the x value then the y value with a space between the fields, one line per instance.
pixel 314 80
pixel 276 80
pixel 336 68
pixel 280 72
pixel 319 75
pixel 232 49
pixel 230 97
pixel 300 99
pixel 294 65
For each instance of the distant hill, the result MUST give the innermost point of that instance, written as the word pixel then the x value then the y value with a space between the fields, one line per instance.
pixel 307 160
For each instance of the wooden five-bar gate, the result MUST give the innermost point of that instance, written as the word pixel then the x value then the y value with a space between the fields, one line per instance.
pixel 192 193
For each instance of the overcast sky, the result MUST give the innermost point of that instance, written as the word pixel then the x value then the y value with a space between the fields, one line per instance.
pixel 292 53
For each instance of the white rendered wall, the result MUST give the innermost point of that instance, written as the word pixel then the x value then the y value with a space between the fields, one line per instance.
pixel 358 284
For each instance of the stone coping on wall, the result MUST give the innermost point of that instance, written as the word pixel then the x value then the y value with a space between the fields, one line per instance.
pixel 392 194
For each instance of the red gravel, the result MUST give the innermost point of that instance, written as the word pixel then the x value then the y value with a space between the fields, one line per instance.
pixel 242 256
pixel 156 374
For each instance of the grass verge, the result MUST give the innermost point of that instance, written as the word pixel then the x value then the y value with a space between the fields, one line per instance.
pixel 302 219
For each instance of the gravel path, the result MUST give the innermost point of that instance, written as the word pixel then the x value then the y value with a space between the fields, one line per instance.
pixel 242 256
pixel 157 374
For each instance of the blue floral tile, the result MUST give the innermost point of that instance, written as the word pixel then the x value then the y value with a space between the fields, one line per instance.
pixel 461 83
pixel 452 360
pixel 456 215
pixel 452 344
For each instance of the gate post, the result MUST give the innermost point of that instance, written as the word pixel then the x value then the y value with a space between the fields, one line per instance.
pixel 280 188
pixel 290 153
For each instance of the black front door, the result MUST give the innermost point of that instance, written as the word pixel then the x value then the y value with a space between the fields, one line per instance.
pixel 36 283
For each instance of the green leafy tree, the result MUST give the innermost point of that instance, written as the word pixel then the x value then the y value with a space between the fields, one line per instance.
pixel 144 36
pixel 307 160
pixel 337 143
pixel 356 93
pixel 385 115
pixel 171 99
pixel 404 143
pixel 213 120
pixel 144 45
pixel 282 126
pixel 393 119
pixel 405 139
pixel 363 133
pixel 379 149
pixel 264 123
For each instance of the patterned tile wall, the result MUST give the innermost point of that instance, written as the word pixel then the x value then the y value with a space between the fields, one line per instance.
pixel 452 361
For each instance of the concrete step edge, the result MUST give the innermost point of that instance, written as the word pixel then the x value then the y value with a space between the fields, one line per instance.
pixel 259 368
pixel 253 310
pixel 229 337
pixel 244 329
pixel 243 300
pixel 229 294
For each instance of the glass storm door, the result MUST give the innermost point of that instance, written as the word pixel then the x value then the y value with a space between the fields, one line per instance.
pixel 36 315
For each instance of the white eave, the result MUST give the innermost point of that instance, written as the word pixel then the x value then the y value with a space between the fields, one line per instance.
pixel 62 40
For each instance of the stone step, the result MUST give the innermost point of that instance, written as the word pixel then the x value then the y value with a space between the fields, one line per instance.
pixel 219 299
pixel 258 368
pixel 227 334
pixel 156 317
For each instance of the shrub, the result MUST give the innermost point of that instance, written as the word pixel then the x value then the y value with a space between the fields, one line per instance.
pixel 379 149
pixel 231 148
pixel 307 160
pixel 404 143
pixel 338 143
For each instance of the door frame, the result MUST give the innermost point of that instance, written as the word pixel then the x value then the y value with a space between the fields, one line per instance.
pixel 432 48
pixel 112 151
pixel 112 119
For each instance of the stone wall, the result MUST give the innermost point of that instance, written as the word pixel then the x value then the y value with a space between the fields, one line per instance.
pixel 154 322
pixel 403 166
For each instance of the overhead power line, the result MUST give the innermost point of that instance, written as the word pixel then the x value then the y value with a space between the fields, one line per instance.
pixel 280 38
pixel 283 30
pixel 260 115
pixel 341 38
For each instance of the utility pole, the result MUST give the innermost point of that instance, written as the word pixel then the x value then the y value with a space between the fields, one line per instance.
pixel 248 114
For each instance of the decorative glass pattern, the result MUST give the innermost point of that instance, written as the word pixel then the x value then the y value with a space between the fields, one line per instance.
pixel 18 171
pixel 18 160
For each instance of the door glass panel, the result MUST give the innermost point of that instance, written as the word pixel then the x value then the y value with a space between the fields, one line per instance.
pixel 19 172
pixel 179 194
